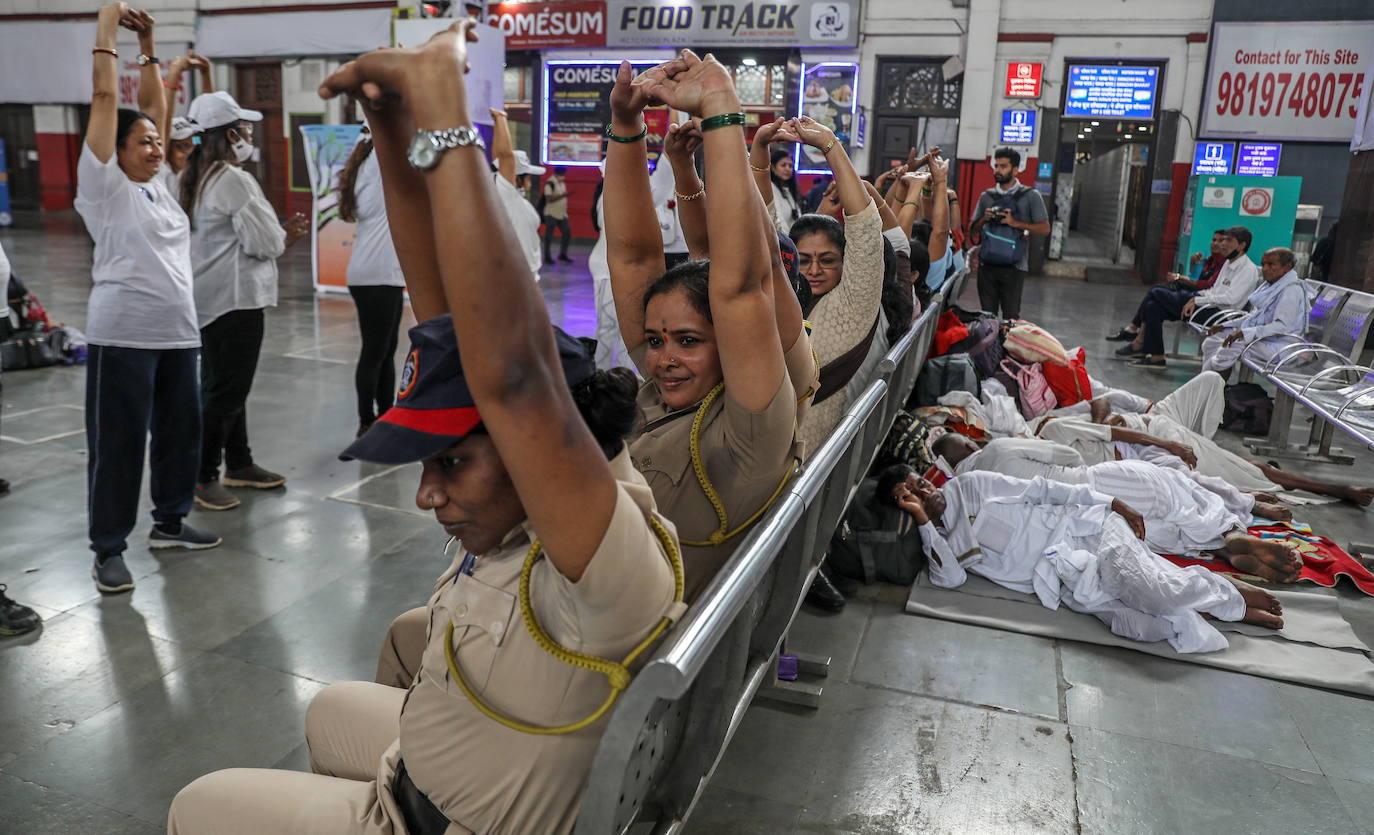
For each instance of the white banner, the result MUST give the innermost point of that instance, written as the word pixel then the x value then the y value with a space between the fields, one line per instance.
pixel 1296 81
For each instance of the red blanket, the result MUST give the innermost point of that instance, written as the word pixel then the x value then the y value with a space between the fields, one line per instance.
pixel 1323 561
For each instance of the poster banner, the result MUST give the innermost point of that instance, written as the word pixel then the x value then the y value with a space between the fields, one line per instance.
pixel 331 239
pixel 542 25
pixel 829 94
pixel 1290 80
pixel 801 23
pixel 577 96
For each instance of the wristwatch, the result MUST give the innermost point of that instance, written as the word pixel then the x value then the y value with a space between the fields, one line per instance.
pixel 428 145
pixel 145 60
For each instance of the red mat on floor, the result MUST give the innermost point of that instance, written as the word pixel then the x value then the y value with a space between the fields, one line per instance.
pixel 1323 561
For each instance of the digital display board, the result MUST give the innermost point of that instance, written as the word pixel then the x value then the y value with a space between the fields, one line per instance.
pixel 577 107
pixel 1018 127
pixel 1213 157
pixel 1258 159
pixel 1111 92
pixel 830 95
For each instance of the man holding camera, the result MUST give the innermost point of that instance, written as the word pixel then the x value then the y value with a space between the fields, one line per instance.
pixel 1006 216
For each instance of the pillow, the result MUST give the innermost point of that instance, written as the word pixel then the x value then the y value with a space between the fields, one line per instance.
pixel 1032 343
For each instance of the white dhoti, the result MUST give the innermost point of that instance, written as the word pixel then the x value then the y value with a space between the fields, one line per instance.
pixel 1195 405
pixel 1218 357
pixel 1181 515
pixel 610 346
pixel 1212 460
pixel 1139 595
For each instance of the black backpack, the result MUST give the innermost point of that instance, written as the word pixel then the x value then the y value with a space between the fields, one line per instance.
pixel 1003 245
pixel 943 374
pixel 1249 409
pixel 873 544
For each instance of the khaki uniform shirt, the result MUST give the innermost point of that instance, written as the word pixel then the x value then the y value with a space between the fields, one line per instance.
pixel 484 776
pixel 745 454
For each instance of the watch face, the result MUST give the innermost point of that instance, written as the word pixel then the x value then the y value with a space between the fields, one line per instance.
pixel 143 60
pixel 423 155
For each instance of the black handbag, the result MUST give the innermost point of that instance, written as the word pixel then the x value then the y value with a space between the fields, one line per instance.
pixel 30 349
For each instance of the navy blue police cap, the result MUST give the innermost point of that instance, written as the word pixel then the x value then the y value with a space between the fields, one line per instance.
pixel 434 408
pixel 787 250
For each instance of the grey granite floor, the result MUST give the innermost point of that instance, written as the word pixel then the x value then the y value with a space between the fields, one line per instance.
pixel 925 726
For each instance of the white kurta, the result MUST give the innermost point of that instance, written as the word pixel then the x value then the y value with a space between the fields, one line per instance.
pixel 1061 543
pixel 1197 404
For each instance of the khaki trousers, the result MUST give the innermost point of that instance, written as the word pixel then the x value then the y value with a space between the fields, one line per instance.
pixel 348 727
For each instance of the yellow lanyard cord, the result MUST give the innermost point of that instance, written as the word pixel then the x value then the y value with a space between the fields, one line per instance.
pixel 618 674
pixel 722 533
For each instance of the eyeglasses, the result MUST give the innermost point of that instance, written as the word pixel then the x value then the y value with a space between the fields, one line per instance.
pixel 825 262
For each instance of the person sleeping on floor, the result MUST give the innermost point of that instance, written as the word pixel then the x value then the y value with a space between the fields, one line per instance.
pixel 1073 546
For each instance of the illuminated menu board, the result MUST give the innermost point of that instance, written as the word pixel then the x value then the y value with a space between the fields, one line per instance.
pixel 1111 92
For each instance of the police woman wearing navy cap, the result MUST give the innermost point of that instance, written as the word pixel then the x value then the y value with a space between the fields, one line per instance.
pixel 524 465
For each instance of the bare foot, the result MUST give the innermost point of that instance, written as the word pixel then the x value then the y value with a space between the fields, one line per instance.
pixel 1272 510
pixel 1361 496
pixel 1266 558
pixel 1256 599
pixel 1266 497
pixel 1259 617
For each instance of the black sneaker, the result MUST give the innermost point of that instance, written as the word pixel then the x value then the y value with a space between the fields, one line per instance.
pixel 1146 362
pixel 111 574
pixel 14 618
pixel 1123 335
pixel 565 259
pixel 184 536
pixel 212 496
pixel 1127 352
pixel 252 476
pixel 824 595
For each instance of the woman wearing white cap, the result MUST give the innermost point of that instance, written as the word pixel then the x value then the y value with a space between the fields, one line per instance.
pixel 141 322
pixel 236 240
pixel 374 281
pixel 513 170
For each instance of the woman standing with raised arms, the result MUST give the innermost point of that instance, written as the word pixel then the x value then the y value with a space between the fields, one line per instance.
pixel 525 464
pixel 144 343
pixel 719 411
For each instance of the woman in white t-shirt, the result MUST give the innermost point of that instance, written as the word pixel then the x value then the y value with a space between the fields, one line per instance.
pixel 235 242
pixel 141 321
pixel 374 281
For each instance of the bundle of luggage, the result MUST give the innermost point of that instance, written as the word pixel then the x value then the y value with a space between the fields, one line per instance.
pixel 29 339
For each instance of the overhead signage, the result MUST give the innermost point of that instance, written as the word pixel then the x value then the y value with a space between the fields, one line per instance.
pixel 829 94
pixel 1111 92
pixel 1258 159
pixel 1213 157
pixel 1289 80
pixel 800 23
pixel 1018 127
pixel 1024 79
pixel 564 23
pixel 577 96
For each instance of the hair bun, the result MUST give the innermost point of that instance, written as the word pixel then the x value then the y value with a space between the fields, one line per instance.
pixel 606 401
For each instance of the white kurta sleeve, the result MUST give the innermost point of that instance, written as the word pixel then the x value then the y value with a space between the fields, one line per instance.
pixel 941 562
pixel 236 194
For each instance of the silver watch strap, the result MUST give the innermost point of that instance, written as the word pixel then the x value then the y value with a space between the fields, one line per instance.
pixel 456 138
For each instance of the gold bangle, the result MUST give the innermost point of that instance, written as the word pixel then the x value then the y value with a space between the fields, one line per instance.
pixel 910 203
pixel 701 192
pixel 826 149
pixel 761 169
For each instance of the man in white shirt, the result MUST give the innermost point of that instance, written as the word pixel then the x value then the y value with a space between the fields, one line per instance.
pixel 1071 545
pixel 1237 280
pixel 1185 512
pixel 1278 313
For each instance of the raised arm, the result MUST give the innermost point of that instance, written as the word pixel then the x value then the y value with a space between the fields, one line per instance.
pixel 938 202
pixel 101 129
pixel 742 311
pixel 512 367
pixel 203 68
pixel 680 148
pixel 760 165
pixel 853 196
pixel 634 243
pixel 884 210
pixel 151 99
pixel 502 149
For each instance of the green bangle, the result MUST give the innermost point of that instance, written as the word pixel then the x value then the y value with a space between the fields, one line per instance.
pixel 724 120
pixel 643 132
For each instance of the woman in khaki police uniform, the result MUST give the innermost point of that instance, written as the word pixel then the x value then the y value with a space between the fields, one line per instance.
pixel 711 350
pixel 511 456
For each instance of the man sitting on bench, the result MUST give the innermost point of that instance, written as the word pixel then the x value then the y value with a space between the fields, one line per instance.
pixel 1279 308
pixel 1074 546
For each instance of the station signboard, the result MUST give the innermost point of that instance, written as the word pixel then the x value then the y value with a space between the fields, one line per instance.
pixel 1214 157
pixel 1018 127
pixel 1024 79
pixel 1111 92
pixel 1258 159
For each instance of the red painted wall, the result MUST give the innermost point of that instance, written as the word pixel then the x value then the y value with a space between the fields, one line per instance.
pixel 975 177
pixel 57 156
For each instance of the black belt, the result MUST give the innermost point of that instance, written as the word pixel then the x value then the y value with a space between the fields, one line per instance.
pixel 421 816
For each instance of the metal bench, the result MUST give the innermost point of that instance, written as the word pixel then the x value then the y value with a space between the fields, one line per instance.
pixel 670 728
pixel 1321 372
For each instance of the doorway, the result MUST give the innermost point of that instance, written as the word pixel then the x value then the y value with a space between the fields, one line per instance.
pixel 21 155
pixel 1102 192
pixel 258 87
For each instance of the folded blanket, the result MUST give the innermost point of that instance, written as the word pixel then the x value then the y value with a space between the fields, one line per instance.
pixel 1323 561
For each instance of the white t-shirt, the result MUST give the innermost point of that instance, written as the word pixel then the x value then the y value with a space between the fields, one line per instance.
pixel 373 260
pixel 235 243
pixel 142 296
pixel 524 219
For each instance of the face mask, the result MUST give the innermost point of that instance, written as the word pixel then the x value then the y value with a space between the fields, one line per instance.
pixel 244 151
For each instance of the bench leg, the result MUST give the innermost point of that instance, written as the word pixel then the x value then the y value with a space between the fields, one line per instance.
pixel 812 665
pixel 1316 448
pixel 1175 354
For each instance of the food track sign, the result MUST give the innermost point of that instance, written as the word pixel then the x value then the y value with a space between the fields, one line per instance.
pixel 1024 79
pixel 698 23
pixel 1292 80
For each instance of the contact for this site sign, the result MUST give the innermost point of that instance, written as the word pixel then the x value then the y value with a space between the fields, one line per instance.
pixel 806 23
pixel 1298 81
